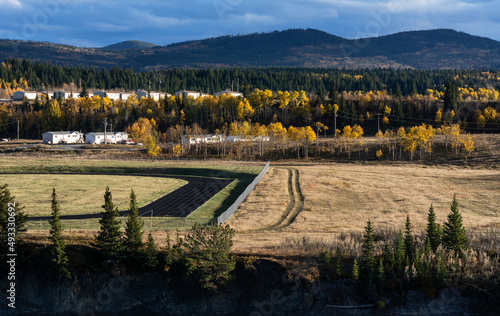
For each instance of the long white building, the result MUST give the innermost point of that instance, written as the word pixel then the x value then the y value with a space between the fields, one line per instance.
pixel 62 137
pixel 111 137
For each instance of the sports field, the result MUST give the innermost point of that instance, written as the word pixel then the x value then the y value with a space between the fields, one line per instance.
pixel 81 183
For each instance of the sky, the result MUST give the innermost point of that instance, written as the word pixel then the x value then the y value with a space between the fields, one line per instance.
pixel 97 23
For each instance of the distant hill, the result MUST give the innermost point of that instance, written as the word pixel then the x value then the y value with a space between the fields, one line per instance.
pixel 431 49
pixel 130 45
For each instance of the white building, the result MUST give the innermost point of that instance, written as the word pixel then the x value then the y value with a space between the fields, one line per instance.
pixel 111 137
pixel 62 137
pixel 210 138
pixel 248 138
pixel 66 95
pixel 125 96
pixel 50 95
pixel 113 96
pixel 19 95
pixel 154 95
pixel 232 93
pixel 185 94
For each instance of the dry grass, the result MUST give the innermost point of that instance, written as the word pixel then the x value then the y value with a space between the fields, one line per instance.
pixel 265 204
pixel 342 197
pixel 83 194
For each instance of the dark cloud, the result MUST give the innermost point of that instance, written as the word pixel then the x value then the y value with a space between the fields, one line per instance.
pixel 98 23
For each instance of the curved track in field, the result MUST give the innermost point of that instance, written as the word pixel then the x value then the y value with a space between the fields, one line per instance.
pixel 295 202
pixel 179 203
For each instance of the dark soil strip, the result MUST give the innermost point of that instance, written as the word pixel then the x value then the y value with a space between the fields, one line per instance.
pixel 299 201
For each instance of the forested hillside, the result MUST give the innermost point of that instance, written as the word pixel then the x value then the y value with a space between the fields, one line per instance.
pixel 43 76
pixel 434 49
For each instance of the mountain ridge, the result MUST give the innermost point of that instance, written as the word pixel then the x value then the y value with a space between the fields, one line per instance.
pixel 131 44
pixel 425 49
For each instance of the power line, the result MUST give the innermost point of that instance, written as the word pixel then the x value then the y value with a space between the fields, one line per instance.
pixel 15 122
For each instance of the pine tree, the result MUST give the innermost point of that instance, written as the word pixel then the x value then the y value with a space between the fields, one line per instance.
pixel 58 255
pixel 397 91
pixel 381 274
pixel 368 252
pixel 338 263
pixel 151 253
pixel 454 237
pixel 333 93
pixel 355 270
pixel 210 247
pixel 388 257
pixel 399 250
pixel 408 241
pixel 109 239
pixel 433 231
pixel 133 227
pixel 84 93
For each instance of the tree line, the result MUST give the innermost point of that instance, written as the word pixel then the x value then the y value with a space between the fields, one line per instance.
pixel 439 256
pixel 43 76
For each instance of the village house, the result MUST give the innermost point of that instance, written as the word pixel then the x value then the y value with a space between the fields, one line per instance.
pixel 66 95
pixel 111 138
pixel 228 92
pixel 125 96
pixel 209 138
pixel 185 94
pixel 20 95
pixel 154 95
pixel 62 137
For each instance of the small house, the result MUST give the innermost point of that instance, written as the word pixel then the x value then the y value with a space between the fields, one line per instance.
pixel 185 94
pixel 20 95
pixel 62 137
pixel 231 93
pixel 66 95
pixel 109 138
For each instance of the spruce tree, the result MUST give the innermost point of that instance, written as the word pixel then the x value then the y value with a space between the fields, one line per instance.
pixel 408 241
pixel 454 237
pixel 151 253
pixel 433 231
pixel 399 250
pixel 368 252
pixel 381 274
pixel 355 270
pixel 133 227
pixel 109 239
pixel 338 263
pixel 84 93
pixel 59 259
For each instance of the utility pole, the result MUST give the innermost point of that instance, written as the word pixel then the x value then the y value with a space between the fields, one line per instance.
pixel 378 124
pixel 335 125
pixel 105 124
pixel 18 130
pixel 238 85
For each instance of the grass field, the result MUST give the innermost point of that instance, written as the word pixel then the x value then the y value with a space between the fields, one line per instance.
pixel 342 197
pixel 84 194
pixel 31 181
